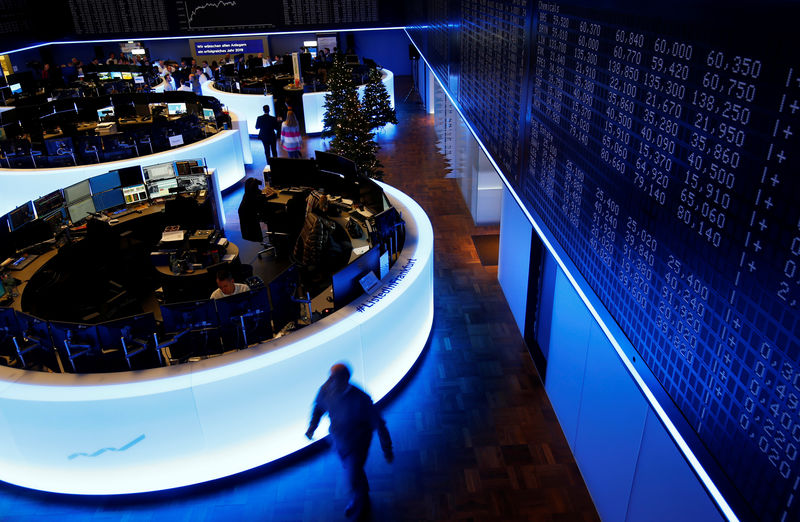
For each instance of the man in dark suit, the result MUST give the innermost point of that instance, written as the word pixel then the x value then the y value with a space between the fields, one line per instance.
pixel 269 129
pixel 353 419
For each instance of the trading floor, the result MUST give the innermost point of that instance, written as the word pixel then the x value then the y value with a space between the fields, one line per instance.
pixel 475 436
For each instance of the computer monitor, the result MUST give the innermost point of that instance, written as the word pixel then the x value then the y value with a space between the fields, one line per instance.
pixel 116 75
pixel 58 146
pixel 21 215
pixel 138 79
pixel 281 291
pixel 157 108
pixel 184 168
pixel 140 327
pixel 329 162
pixel 244 319
pixel 351 59
pixel 101 183
pixel 127 76
pixel 103 75
pixel 162 188
pixel 34 329
pixel 49 203
pixel 80 210
pixel 346 286
pixel 208 114
pixel 200 322
pixel 291 172
pixel 34 232
pixel 130 176
pixel 178 317
pixel 77 334
pixel 55 220
pixel 134 193
pixel 176 108
pixel 2 293
pixel 16 88
pixel 77 192
pixel 109 199
pixel 192 183
pixel 106 113
pixel 159 171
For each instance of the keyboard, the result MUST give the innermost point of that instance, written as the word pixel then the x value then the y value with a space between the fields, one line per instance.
pixel 269 192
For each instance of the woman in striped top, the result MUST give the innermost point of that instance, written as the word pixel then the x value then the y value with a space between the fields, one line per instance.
pixel 290 135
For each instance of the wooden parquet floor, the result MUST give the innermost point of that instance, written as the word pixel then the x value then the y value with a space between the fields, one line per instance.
pixel 475 436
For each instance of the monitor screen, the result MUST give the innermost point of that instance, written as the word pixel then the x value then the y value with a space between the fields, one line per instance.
pixel 162 188
pixel 58 146
pixel 244 318
pixel 116 75
pixel 55 219
pixel 159 171
pixel 176 108
pixel 77 192
pixel 184 168
pixel 290 172
pixel 47 204
pixel 127 76
pixel 2 289
pixel 328 162
pixel 134 193
pixel 351 58
pixel 16 88
pixel 103 182
pixel 21 216
pixel 156 108
pixel 346 286
pixel 105 113
pixel 189 315
pixel 209 114
pixel 103 75
pixel 192 183
pixel 80 210
pixel 108 199
pixel 76 333
pixel 130 176
pixel 138 79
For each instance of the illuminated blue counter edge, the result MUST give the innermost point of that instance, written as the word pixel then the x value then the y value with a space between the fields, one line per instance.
pixel 169 427
pixel 222 151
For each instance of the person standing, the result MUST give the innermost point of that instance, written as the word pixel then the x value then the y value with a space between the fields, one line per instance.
pixel 291 141
pixel 268 132
pixel 353 419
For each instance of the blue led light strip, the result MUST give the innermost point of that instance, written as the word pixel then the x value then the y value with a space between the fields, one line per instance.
pixel 196 37
pixel 677 437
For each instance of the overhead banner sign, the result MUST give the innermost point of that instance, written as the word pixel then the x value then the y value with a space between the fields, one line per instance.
pixel 229 47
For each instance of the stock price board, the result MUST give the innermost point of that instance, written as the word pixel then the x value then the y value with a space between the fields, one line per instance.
pixel 663 153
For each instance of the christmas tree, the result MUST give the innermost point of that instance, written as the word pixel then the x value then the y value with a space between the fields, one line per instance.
pixel 340 87
pixel 347 121
pixel 377 102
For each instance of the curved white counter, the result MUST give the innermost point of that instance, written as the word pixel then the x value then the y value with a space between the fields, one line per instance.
pixel 247 107
pixel 250 106
pixel 222 151
pixel 169 427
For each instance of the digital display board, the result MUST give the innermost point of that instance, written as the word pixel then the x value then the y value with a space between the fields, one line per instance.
pixel 229 47
pixel 659 148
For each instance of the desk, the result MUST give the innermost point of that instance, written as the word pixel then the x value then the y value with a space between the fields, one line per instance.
pixel 195 422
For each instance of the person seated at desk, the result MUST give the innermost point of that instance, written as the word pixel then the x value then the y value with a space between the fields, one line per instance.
pixel 226 286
